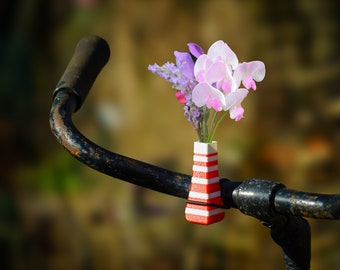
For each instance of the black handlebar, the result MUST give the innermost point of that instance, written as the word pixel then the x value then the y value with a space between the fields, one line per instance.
pixel 90 56
pixel 275 206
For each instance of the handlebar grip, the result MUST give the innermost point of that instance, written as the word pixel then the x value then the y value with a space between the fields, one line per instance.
pixel 90 56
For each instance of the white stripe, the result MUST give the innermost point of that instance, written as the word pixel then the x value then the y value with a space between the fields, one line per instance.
pixel 204 213
pixel 205 196
pixel 204 181
pixel 205 148
pixel 204 169
pixel 205 159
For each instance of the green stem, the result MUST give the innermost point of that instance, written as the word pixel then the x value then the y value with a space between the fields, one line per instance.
pixel 205 131
pixel 217 124
pixel 212 122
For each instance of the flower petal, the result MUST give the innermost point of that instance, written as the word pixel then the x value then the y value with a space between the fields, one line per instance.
pixel 185 64
pixel 215 104
pixel 200 66
pixel 181 97
pixel 256 70
pixel 205 94
pixel 248 83
pixel 216 72
pixel 195 49
pixel 221 50
pixel 236 113
pixel 235 98
pixel 200 94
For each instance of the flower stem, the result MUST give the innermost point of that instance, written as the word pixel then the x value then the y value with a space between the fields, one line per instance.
pixel 205 132
pixel 212 122
pixel 217 124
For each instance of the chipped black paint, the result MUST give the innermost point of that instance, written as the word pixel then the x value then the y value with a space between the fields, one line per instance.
pixel 115 165
pixel 308 204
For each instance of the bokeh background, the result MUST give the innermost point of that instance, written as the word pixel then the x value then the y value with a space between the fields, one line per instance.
pixel 57 214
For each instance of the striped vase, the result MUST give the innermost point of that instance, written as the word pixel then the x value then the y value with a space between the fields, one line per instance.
pixel 205 186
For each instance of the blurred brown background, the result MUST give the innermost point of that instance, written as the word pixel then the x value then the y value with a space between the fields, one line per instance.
pixel 57 214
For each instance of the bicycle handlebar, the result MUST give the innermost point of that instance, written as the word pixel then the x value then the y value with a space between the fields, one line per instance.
pixel 275 206
pixel 90 56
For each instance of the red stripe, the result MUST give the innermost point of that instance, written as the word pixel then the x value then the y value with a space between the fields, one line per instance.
pixel 196 219
pixel 206 155
pixel 203 188
pixel 204 220
pixel 206 164
pixel 216 200
pixel 205 175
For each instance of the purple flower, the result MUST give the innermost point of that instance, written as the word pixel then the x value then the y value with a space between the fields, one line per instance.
pixel 195 49
pixel 185 64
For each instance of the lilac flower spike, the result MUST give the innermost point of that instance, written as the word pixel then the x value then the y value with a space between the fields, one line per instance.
pixel 214 81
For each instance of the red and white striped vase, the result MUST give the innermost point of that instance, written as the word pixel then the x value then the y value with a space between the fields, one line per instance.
pixel 205 186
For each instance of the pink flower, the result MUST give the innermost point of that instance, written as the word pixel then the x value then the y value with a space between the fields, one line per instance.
pixel 219 76
pixel 181 97
pixel 216 86
pixel 248 73
pixel 236 113
pixel 205 94
pixel 221 51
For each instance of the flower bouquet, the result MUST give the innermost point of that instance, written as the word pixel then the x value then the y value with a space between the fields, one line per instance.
pixel 210 85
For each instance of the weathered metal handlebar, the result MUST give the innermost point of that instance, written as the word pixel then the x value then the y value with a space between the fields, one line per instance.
pixel 278 208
